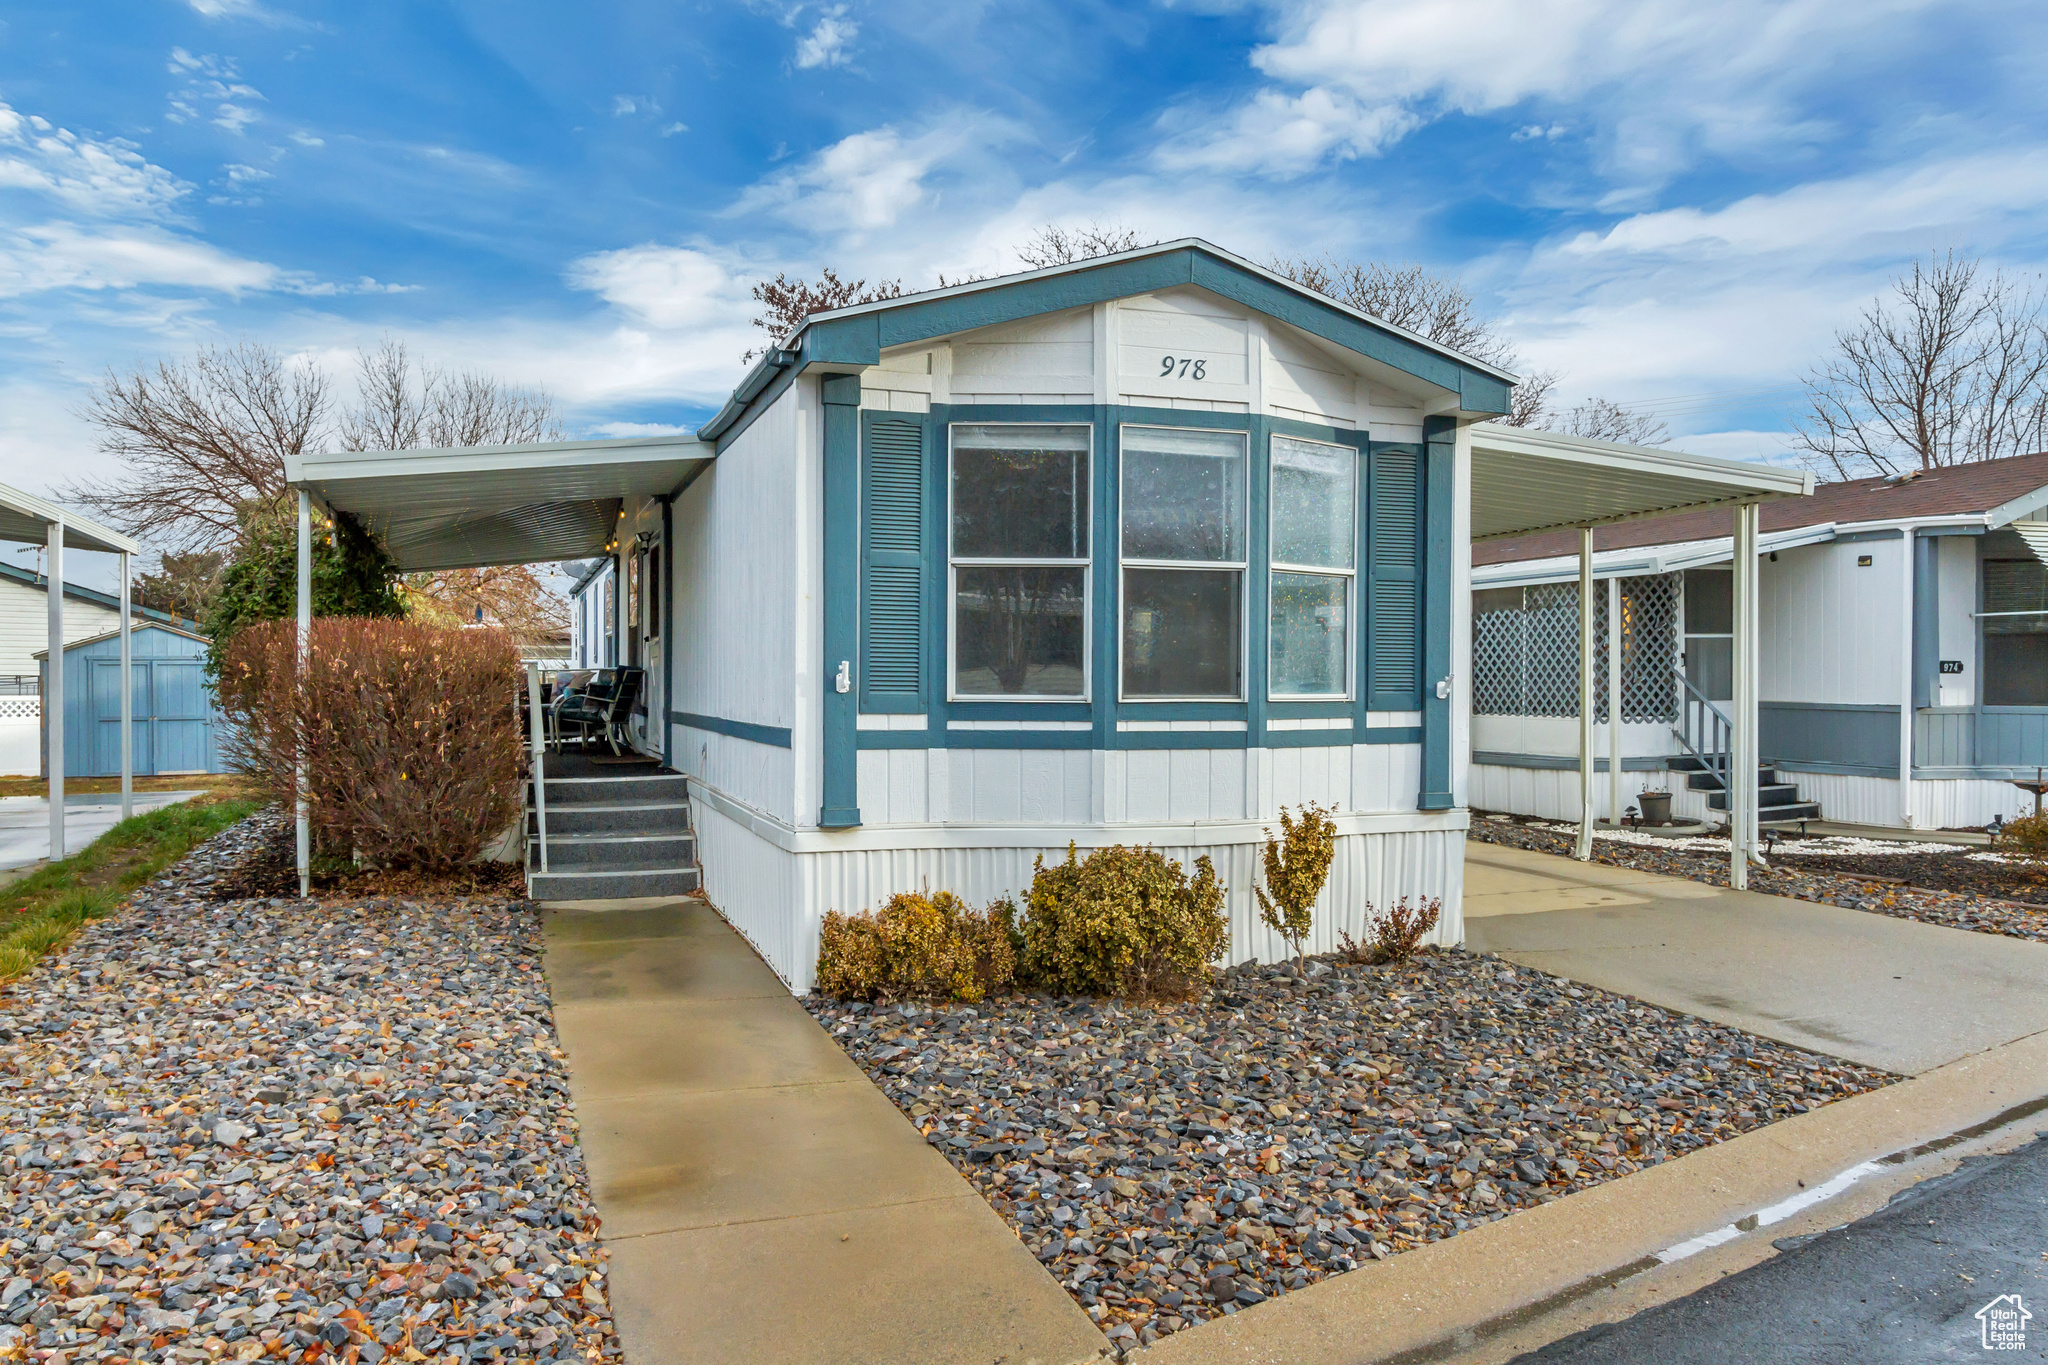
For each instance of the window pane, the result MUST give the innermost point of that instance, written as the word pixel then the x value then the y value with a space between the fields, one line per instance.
pixel 2014 585
pixel 1018 632
pixel 1312 503
pixel 1183 633
pixel 1183 494
pixel 1020 492
pixel 2016 669
pixel 1310 628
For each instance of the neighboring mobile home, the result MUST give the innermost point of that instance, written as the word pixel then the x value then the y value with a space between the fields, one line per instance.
pixel 1903 620
pixel 1136 550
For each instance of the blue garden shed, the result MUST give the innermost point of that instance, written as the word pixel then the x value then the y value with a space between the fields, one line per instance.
pixel 177 727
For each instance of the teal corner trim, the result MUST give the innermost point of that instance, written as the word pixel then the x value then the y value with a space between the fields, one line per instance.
pixel 669 633
pixel 841 555
pixel 1439 435
pixel 1926 620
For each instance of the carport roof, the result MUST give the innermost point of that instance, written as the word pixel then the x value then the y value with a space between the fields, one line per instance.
pixel 1527 481
pixel 27 518
pixel 484 505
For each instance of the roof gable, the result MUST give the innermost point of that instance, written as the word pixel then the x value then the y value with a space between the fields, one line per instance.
pixel 856 337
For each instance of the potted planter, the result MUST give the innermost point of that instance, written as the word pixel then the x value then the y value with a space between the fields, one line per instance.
pixel 1656 808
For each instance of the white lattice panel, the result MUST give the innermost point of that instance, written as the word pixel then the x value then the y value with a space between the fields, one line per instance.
pixel 21 708
pixel 1525 658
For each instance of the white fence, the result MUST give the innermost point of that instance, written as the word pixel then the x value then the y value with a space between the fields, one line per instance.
pixel 21 730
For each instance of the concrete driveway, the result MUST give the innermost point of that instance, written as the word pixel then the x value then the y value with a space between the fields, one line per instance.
pixel 25 821
pixel 1868 988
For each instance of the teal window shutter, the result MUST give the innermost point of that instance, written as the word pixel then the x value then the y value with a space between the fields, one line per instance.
pixel 892 563
pixel 1394 579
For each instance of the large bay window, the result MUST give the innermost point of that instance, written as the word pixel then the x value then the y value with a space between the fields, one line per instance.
pixel 1018 548
pixel 1314 558
pixel 2015 632
pixel 1184 551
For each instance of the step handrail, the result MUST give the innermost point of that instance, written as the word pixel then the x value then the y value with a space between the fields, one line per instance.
pixel 1705 731
pixel 538 777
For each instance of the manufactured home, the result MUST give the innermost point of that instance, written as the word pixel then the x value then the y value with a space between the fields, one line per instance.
pixel 1903 653
pixel 1135 550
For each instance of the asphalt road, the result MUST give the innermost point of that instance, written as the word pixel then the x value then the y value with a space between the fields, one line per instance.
pixel 1902 1285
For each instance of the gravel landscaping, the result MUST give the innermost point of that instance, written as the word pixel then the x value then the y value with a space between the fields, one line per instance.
pixel 1176 1162
pixel 1821 876
pixel 284 1129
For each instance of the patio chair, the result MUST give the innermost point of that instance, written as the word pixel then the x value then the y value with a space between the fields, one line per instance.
pixel 603 715
pixel 583 710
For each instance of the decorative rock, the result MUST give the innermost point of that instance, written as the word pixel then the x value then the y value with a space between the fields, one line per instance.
pixel 231 1123
pixel 1199 1158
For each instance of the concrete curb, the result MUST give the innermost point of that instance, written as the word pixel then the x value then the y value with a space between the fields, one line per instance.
pixel 1438 1300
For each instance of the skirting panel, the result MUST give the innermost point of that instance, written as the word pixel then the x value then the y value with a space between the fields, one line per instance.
pixel 1553 793
pixel 777 898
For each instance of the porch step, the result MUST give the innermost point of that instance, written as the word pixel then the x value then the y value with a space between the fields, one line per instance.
pixel 612 817
pixel 613 884
pixel 1768 794
pixel 575 852
pixel 639 787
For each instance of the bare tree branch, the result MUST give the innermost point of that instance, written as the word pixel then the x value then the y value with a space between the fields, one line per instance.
pixel 199 439
pixel 785 302
pixel 1953 369
pixel 1055 245
pixel 401 405
pixel 1529 404
pixel 1603 419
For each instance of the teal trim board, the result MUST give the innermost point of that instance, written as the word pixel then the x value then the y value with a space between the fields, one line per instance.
pixel 774 736
pixel 1439 437
pixel 841 562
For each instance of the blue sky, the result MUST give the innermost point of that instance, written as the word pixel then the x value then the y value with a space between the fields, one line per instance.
pixel 1671 203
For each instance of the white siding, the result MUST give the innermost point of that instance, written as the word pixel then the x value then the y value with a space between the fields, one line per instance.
pixel 777 895
pixel 25 624
pixel 736 604
pixel 1553 793
pixel 1938 803
pixel 1832 631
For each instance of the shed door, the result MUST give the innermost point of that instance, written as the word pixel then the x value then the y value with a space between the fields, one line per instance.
pixel 178 716
pixel 106 716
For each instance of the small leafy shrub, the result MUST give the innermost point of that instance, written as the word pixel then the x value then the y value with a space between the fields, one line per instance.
pixel 1297 865
pixel 1124 921
pixel 1394 936
pixel 917 945
pixel 2028 837
pixel 413 753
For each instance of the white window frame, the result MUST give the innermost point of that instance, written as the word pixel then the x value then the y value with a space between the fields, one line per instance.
pixel 1242 566
pixel 1275 566
pixel 1085 564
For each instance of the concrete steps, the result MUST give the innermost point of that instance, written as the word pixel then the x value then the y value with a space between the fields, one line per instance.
pixel 613 835
pixel 1778 802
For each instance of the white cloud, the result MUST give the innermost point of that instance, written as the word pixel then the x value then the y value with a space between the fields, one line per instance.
pixel 871 179
pixel 1658 79
pixel 621 430
pixel 825 45
pixel 98 178
pixel 625 105
pixel 211 82
pixel 306 139
pixel 672 129
pixel 1282 136
pixel 65 256
pixel 667 287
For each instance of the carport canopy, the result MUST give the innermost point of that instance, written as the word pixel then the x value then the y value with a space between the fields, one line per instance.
pixel 1526 481
pixel 485 505
pixel 30 520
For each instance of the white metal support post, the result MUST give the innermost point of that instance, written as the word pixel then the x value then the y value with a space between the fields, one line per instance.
pixel 1743 758
pixel 1584 851
pixel 53 689
pixel 305 603
pixel 1906 642
pixel 1614 701
pixel 127 701
pixel 537 773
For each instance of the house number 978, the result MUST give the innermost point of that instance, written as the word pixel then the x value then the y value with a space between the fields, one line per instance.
pixel 1167 364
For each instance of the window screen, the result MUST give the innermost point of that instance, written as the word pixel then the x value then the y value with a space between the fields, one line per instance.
pixel 2015 632
pixel 1314 494
pixel 1184 495
pixel 1019 523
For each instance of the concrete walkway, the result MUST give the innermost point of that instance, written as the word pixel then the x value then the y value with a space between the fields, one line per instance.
pixel 762 1201
pixel 25 821
pixel 1886 992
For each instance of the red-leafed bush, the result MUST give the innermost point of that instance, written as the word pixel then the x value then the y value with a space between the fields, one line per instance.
pixel 412 748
